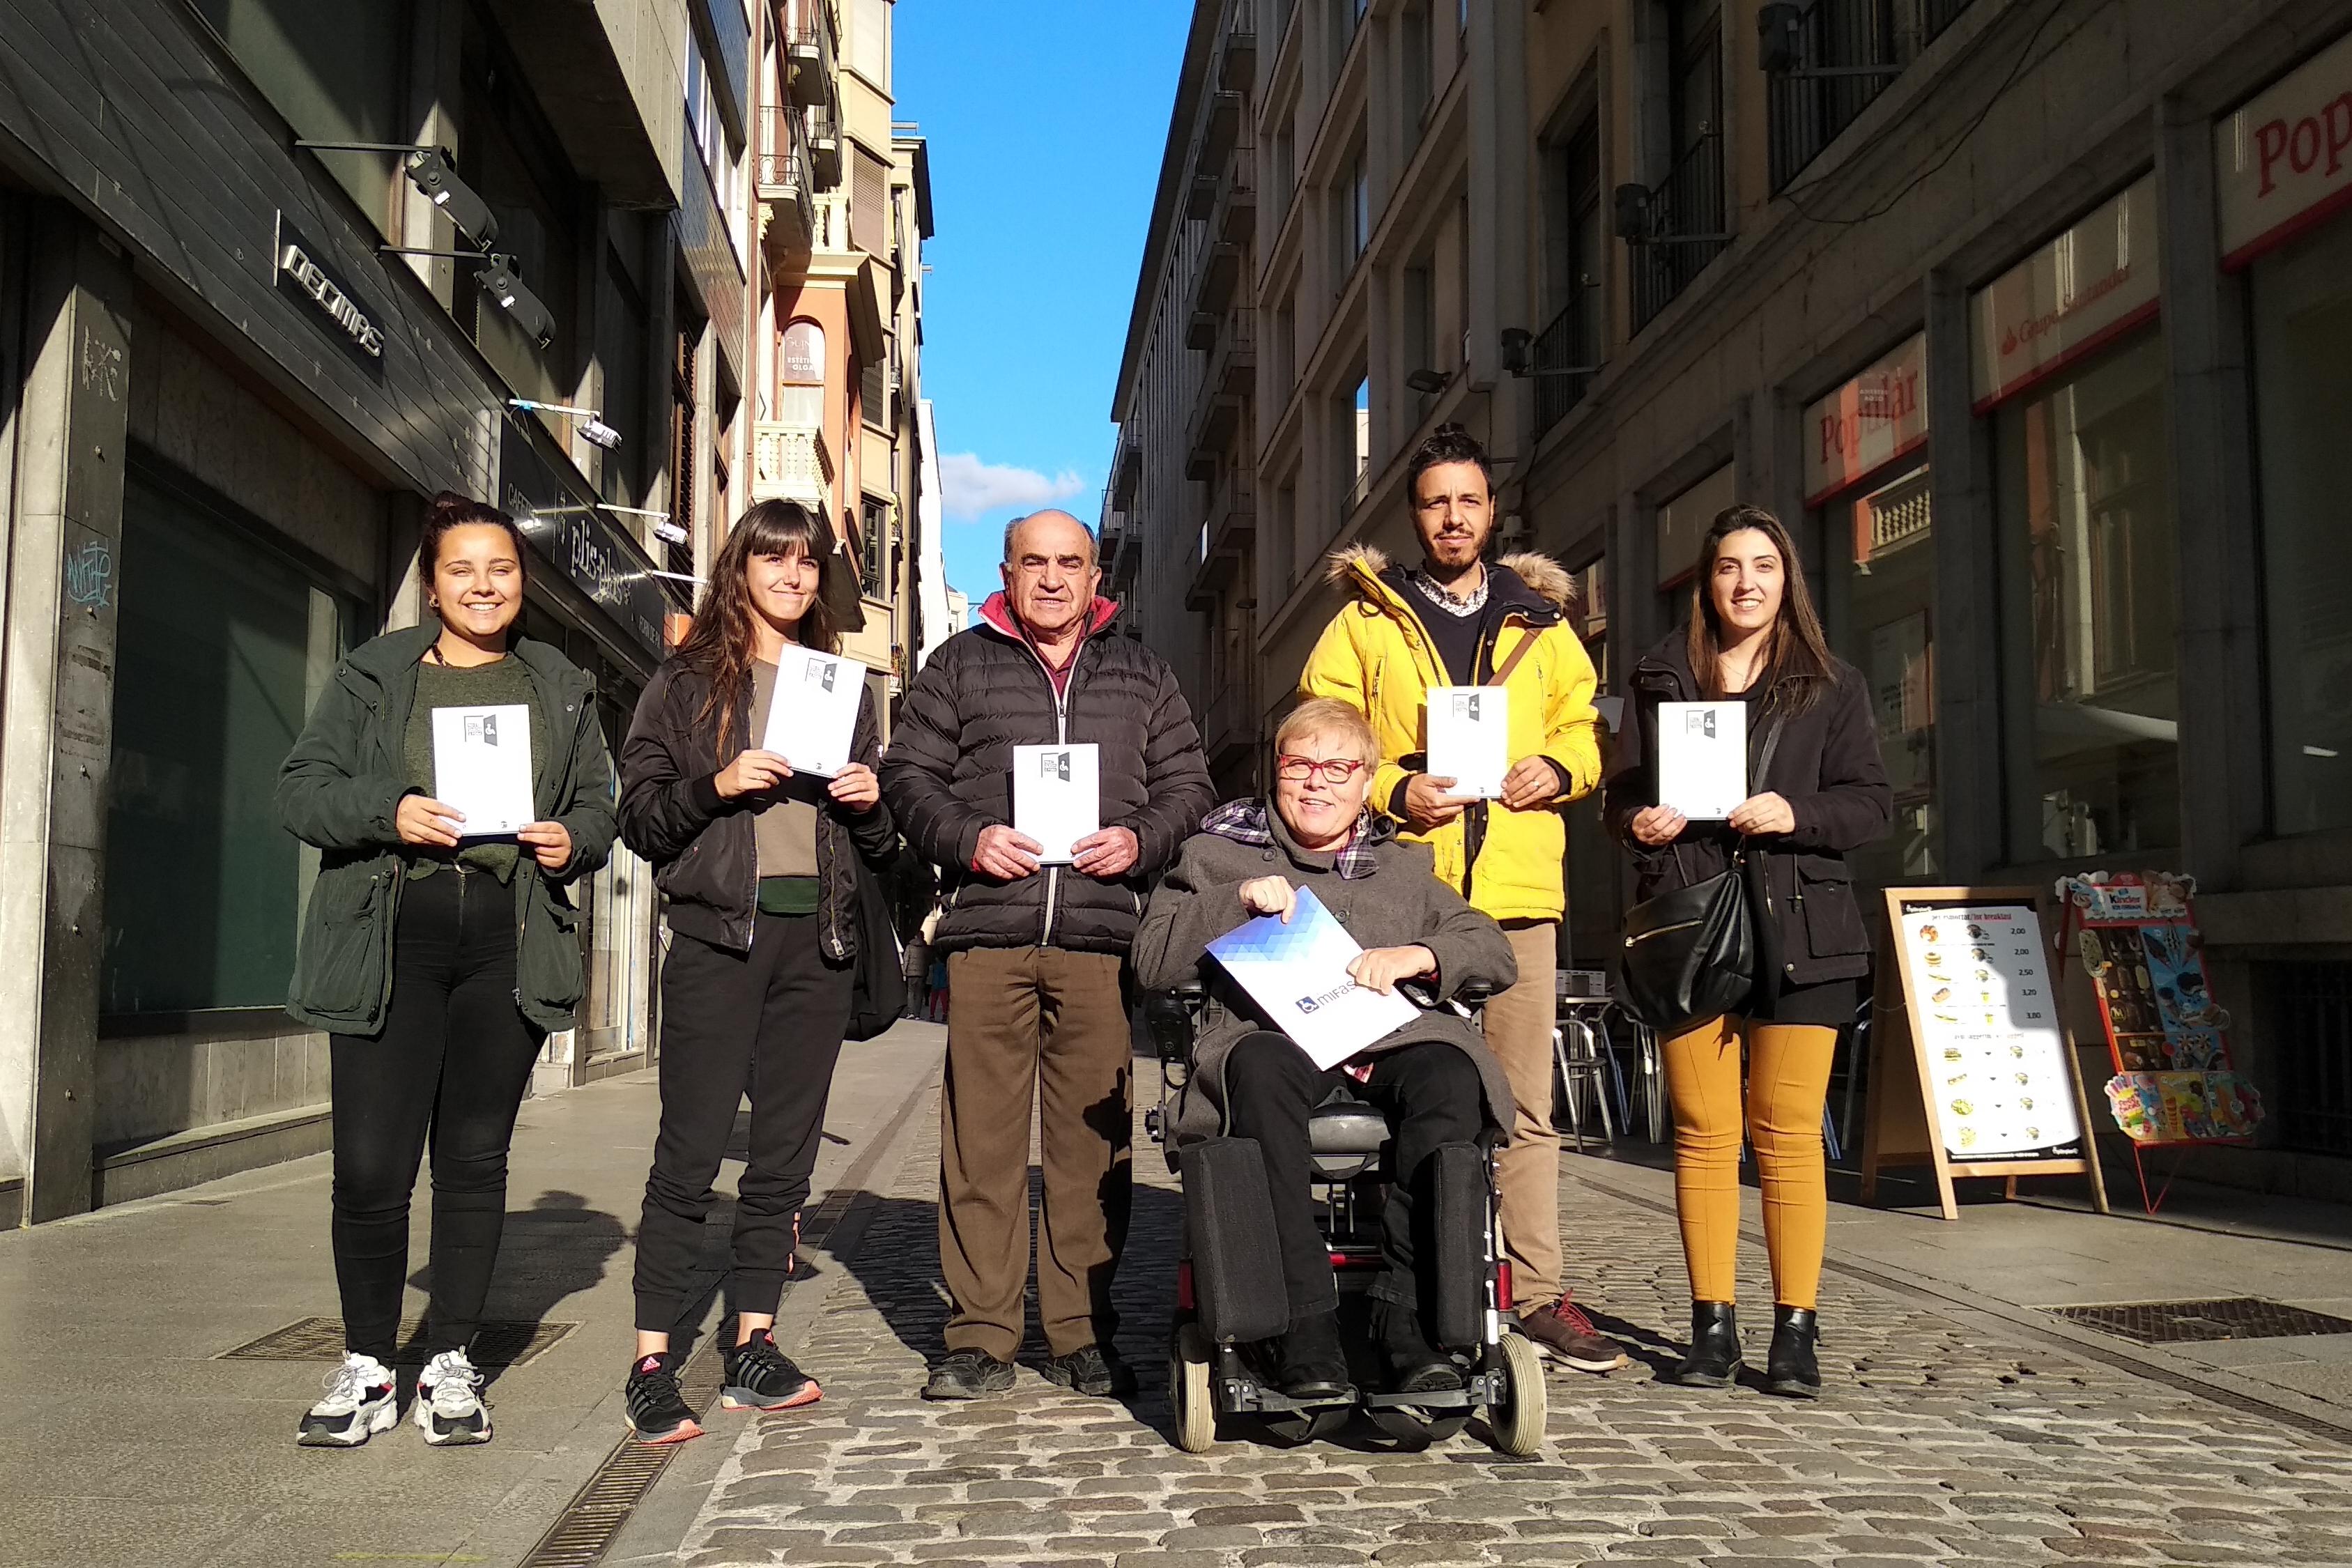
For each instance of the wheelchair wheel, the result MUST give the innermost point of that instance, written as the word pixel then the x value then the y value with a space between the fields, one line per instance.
pixel 1517 1422
pixel 1188 1390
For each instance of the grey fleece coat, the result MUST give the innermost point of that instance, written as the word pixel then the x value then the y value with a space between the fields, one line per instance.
pixel 1400 904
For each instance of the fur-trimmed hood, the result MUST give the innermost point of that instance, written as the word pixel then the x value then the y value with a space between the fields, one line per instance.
pixel 1362 568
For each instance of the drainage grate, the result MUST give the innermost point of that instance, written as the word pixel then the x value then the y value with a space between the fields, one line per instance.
pixel 2173 1322
pixel 321 1339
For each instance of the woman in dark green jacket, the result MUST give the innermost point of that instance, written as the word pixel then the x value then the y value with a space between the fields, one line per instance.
pixel 437 960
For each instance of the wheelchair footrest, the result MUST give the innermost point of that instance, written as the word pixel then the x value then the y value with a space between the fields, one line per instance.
pixel 1246 1396
pixel 1436 1399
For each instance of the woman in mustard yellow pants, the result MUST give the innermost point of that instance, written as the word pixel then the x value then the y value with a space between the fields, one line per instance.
pixel 1817 791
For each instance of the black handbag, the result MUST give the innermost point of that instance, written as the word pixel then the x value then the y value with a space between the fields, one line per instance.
pixel 1691 954
pixel 877 991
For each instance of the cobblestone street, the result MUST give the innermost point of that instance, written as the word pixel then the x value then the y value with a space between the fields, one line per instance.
pixel 1946 1438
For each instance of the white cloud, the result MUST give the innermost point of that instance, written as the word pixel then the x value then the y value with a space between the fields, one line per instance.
pixel 975 489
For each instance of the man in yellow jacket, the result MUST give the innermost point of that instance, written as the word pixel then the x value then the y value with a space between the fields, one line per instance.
pixel 1458 620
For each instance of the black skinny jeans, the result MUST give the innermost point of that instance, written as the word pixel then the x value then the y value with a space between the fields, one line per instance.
pixel 767 1023
pixel 449 1070
pixel 1431 1094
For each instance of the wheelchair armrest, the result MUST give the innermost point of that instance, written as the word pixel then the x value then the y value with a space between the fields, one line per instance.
pixel 1477 993
pixel 1171 1017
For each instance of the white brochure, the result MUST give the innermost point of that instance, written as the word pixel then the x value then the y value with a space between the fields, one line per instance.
pixel 813 718
pixel 481 766
pixel 1298 974
pixel 1470 738
pixel 1057 796
pixel 1703 758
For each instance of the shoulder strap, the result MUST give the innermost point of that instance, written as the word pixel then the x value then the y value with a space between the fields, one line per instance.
pixel 1528 635
pixel 1772 744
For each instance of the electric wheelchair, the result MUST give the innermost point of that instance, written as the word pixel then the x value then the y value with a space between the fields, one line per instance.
pixel 1229 1299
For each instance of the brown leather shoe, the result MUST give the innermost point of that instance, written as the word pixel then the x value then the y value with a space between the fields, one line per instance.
pixel 1563 1332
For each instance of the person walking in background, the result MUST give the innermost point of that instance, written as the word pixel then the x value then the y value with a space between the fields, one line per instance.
pixel 437 962
pixel 1753 636
pixel 760 865
pixel 1458 619
pixel 1036 1008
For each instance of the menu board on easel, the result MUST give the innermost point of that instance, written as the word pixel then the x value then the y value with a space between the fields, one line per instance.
pixel 1988 1085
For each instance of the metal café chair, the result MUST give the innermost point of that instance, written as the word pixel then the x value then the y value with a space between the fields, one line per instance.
pixel 1580 1048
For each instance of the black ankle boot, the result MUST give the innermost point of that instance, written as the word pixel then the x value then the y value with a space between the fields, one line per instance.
pixel 1791 1370
pixel 1314 1363
pixel 1714 1360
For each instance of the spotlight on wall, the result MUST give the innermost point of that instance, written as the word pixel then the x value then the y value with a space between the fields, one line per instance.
pixel 433 171
pixel 502 282
pixel 589 422
pixel 1780 34
pixel 1428 381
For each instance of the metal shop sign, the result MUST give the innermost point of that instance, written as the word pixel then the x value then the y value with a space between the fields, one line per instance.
pixel 2285 159
pixel 301 274
pixel 2073 295
pixel 1868 423
pixel 581 542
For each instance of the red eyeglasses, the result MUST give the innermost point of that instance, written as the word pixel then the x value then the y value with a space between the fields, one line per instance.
pixel 1335 769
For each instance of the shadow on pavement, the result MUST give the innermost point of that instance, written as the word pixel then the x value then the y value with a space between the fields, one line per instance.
pixel 550 1252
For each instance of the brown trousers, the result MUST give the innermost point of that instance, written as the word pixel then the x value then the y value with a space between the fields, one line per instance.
pixel 1034 1026
pixel 1520 1023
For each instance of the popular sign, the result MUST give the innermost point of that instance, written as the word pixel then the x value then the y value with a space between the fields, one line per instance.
pixel 1876 417
pixel 2285 157
pixel 2083 288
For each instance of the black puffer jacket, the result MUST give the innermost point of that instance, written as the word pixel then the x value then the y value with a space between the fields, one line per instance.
pixel 706 856
pixel 1826 767
pixel 949 774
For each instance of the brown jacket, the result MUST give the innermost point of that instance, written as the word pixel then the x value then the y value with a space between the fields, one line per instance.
pixel 1399 903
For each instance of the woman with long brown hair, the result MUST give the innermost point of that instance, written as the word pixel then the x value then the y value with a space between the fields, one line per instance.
pixel 1817 792
pixel 760 865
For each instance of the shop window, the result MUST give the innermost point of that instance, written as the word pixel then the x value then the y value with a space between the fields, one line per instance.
pixel 1879 570
pixel 2303 369
pixel 335 73
pixel 222 646
pixel 2090 545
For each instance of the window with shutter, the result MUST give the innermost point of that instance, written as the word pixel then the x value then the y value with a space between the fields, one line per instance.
pixel 869 205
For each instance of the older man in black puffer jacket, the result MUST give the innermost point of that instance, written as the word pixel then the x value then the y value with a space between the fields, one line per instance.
pixel 1034 950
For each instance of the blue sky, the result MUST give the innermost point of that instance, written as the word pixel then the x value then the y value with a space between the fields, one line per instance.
pixel 1046 119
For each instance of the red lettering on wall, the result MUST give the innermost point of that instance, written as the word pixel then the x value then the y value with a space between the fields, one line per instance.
pixel 2270 142
pixel 2297 159
pixel 2339 116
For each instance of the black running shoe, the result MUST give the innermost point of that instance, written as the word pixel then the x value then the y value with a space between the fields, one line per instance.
pixel 1094 1370
pixel 658 1413
pixel 761 1377
pixel 968 1375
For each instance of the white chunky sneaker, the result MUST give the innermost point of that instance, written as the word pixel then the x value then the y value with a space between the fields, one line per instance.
pixel 357 1405
pixel 449 1408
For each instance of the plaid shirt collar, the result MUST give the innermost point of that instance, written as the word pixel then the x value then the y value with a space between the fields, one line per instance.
pixel 1251 821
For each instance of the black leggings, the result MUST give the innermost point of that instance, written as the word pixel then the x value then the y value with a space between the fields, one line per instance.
pixel 1432 1095
pixel 450 1066
pixel 767 1023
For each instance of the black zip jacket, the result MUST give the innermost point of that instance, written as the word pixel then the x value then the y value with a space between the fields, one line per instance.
pixel 1826 767
pixel 949 774
pixel 705 854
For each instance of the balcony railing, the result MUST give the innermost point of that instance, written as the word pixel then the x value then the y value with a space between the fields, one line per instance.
pixel 781 176
pixel 791 462
pixel 1560 357
pixel 1682 226
pixel 1847 52
pixel 824 146
pixel 814 56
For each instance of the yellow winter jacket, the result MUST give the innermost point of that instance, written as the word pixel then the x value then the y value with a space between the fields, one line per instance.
pixel 1377 656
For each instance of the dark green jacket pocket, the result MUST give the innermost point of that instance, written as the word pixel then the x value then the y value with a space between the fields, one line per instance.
pixel 340 965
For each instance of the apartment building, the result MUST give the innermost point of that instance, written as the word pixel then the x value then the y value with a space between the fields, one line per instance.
pixel 844 202
pixel 272 272
pixel 2030 314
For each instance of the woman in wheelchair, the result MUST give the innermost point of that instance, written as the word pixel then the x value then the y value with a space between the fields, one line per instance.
pixel 1432 1079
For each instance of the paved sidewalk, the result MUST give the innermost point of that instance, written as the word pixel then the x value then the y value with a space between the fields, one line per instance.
pixel 124 1440
pixel 1952 1435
